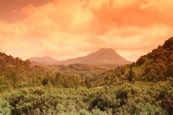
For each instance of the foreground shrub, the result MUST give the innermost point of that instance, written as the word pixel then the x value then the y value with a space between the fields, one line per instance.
pixel 125 98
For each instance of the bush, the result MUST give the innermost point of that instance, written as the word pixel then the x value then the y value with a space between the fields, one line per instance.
pixel 123 98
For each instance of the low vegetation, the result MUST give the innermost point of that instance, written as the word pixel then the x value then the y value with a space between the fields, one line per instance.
pixel 122 98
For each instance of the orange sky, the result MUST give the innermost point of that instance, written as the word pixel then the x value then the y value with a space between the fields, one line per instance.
pixel 69 28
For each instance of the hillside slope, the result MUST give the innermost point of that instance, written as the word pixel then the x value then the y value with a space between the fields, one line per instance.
pixel 155 66
pixel 16 72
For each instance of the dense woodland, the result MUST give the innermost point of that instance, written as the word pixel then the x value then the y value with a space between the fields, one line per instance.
pixel 145 86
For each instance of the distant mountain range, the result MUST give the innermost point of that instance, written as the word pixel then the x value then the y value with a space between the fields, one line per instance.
pixel 44 60
pixel 154 66
pixel 104 56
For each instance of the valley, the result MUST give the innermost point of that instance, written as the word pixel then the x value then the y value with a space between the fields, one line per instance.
pixel 100 83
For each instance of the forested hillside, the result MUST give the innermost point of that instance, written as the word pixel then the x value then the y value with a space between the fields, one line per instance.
pixel 16 72
pixel 155 66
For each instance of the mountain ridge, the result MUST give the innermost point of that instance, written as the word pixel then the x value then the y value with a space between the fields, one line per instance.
pixel 103 56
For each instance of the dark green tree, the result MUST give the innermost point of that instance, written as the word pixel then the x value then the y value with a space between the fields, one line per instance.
pixel 131 75
pixel 45 82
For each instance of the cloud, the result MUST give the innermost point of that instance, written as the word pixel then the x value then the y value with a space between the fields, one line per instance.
pixel 11 10
pixel 126 13
pixel 66 29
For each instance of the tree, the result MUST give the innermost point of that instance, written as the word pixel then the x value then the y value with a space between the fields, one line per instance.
pixel 58 74
pixel 45 82
pixel 131 75
pixel 14 78
pixel 87 82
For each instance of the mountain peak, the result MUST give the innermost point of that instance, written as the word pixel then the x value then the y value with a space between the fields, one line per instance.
pixel 106 49
pixel 110 50
pixel 105 52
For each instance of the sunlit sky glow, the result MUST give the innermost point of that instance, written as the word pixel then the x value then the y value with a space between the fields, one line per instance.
pixel 70 28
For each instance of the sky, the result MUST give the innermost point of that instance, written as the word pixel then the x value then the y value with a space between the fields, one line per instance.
pixel 66 29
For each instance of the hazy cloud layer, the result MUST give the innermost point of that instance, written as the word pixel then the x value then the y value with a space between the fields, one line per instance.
pixel 70 28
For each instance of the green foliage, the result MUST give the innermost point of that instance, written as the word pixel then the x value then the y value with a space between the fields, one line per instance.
pixel 84 112
pixel 5 108
pixel 124 98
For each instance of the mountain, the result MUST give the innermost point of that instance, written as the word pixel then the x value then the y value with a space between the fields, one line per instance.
pixel 154 66
pixel 44 60
pixel 104 56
